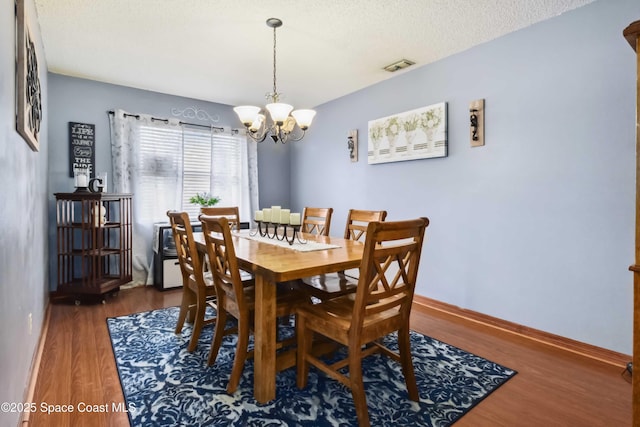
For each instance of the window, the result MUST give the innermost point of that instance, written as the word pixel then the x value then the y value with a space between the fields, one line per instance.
pixel 164 163
pixel 175 163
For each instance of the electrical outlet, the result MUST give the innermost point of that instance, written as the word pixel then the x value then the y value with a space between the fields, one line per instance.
pixel 30 322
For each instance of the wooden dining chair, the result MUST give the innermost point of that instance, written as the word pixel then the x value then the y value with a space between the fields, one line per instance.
pixel 236 298
pixel 382 305
pixel 332 285
pixel 232 213
pixel 316 220
pixel 197 291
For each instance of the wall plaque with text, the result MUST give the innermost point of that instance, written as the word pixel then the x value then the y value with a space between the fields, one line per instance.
pixel 82 139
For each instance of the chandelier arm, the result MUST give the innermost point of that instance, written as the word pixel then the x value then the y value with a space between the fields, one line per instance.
pixel 256 136
pixel 282 137
pixel 293 138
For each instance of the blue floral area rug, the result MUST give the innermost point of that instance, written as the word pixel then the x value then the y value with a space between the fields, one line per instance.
pixel 165 385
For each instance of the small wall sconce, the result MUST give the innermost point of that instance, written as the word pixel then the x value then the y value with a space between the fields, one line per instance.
pixel 476 121
pixel 352 145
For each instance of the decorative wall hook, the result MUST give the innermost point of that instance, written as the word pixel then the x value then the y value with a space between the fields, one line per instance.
pixel 352 145
pixel 476 122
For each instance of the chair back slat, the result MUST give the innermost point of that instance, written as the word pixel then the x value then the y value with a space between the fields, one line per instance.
pixel 316 220
pixel 389 268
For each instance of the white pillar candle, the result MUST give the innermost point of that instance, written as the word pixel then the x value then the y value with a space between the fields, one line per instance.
pixel 258 216
pixel 275 214
pixel 294 218
pixel 82 180
pixel 266 215
pixel 284 216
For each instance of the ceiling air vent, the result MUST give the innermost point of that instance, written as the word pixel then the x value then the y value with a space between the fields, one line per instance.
pixel 403 63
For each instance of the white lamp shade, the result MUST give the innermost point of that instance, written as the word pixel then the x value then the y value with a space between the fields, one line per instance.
pixel 279 111
pixel 255 126
pixel 289 124
pixel 304 118
pixel 247 113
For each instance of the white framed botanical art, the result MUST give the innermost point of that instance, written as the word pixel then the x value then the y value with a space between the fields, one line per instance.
pixel 28 90
pixel 414 134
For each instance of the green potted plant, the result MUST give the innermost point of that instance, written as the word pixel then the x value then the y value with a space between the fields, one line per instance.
pixel 204 199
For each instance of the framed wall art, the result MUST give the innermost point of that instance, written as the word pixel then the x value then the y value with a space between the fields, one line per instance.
pixel 28 91
pixel 82 141
pixel 415 134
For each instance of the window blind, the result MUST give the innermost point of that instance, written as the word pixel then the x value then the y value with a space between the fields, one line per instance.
pixel 176 163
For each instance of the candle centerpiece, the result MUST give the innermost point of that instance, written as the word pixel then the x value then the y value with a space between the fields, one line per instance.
pixel 278 223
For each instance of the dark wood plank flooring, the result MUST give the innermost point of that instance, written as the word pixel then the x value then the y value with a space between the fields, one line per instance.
pixel 552 388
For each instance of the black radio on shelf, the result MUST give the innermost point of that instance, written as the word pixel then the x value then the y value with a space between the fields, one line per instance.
pixel 166 267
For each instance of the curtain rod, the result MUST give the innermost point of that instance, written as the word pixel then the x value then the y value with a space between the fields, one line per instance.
pixel 137 116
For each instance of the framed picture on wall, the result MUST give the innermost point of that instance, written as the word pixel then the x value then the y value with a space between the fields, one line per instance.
pixel 415 134
pixel 28 90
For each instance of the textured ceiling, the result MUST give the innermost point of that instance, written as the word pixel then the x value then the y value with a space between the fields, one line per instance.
pixel 221 50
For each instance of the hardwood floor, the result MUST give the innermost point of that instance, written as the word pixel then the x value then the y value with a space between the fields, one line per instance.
pixel 552 388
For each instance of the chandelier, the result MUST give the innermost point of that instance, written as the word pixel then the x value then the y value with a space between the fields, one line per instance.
pixel 282 124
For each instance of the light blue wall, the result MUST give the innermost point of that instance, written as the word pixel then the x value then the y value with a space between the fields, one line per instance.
pixel 23 211
pixel 537 226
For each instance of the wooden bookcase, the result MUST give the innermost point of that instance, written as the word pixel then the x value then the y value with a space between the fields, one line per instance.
pixel 94 244
pixel 632 34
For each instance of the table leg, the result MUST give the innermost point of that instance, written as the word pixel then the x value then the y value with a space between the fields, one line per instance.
pixel 264 388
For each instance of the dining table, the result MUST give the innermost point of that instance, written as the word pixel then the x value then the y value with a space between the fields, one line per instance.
pixel 272 261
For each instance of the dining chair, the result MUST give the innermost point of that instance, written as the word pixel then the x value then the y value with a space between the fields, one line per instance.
pixel 198 291
pixel 332 285
pixel 236 298
pixel 382 305
pixel 232 213
pixel 316 220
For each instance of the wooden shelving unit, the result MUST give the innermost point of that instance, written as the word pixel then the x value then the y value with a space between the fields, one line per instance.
pixel 94 245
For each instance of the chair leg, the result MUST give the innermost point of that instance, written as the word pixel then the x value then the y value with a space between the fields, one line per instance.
pixel 404 345
pixel 303 345
pixel 240 357
pixel 218 334
pixel 357 387
pixel 201 306
pixel 187 300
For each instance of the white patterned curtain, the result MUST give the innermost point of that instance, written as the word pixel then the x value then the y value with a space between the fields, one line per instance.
pixel 252 175
pixel 153 198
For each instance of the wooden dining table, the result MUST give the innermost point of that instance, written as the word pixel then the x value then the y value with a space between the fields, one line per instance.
pixel 271 264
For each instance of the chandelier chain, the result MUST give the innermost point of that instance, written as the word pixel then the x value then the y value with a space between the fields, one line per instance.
pixel 275 93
